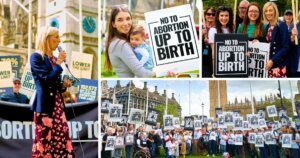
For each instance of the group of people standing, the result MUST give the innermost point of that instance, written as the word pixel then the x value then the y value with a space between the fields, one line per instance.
pixel 261 25
pixel 205 141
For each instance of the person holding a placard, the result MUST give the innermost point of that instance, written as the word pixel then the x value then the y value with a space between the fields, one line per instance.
pixel 293 68
pixel 206 49
pixel 294 150
pixel 223 24
pixel 278 37
pixel 52 131
pixel 252 24
pixel 288 19
pixel 105 153
pixel 118 151
pixel 129 146
pixel 118 52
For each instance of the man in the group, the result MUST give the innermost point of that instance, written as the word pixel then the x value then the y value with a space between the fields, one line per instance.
pixel 242 13
pixel 15 96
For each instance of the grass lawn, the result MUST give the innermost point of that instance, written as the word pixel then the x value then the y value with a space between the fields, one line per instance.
pixel 113 73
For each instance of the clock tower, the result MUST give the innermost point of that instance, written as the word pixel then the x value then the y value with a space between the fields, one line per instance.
pixel 58 13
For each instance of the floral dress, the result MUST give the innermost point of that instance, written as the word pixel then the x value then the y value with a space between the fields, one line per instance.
pixel 52 139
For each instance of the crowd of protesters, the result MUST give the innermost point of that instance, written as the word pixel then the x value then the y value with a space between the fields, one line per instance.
pixel 261 25
pixel 201 142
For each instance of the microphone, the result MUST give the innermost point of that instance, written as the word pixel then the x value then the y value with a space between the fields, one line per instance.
pixel 59 48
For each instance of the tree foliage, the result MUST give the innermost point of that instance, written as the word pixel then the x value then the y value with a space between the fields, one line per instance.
pixel 172 110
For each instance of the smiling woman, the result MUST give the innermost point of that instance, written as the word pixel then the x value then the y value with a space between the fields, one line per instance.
pixel 118 53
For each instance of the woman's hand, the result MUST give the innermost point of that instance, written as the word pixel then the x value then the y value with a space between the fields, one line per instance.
pixel 294 34
pixel 269 65
pixel 61 57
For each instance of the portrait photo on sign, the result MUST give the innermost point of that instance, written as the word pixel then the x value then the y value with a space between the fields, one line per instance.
pixel 197 124
pixel 259 140
pixel 246 125
pixel 297 122
pixel 168 122
pixel 119 142
pixel 115 112
pixel 238 123
pixel 129 139
pixel 136 116
pixel 269 137
pixel 261 113
pixel 272 111
pixel 176 122
pixel 228 118
pixel 282 112
pixel 284 121
pixel 286 140
pixel 262 123
pixel 205 137
pixel 105 104
pixel 276 125
pixel 188 123
pixel 152 117
pixel 110 143
pixel 251 138
pixel 238 139
pixel 123 121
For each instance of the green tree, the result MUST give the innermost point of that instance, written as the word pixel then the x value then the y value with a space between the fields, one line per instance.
pixel 172 110
pixel 277 102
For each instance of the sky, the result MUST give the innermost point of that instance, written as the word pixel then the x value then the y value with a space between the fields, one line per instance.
pixel 199 91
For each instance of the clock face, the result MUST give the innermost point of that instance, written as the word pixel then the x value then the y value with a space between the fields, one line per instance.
pixel 54 22
pixel 89 24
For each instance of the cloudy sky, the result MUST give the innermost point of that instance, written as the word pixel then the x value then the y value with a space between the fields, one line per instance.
pixel 199 92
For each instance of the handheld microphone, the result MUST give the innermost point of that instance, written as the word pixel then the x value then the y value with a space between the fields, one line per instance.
pixel 59 48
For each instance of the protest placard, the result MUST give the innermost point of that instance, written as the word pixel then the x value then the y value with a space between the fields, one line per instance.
pixel 136 116
pixel 269 137
pixel 152 117
pixel 188 123
pixel 286 140
pixel 238 139
pixel 105 102
pixel 230 55
pixel 168 122
pixel 251 138
pixel 88 90
pixel 124 120
pixel 238 123
pixel 221 121
pixel 297 122
pixel 259 140
pixel 262 123
pixel 115 112
pixel 27 82
pixel 259 55
pixel 119 142
pixel 129 139
pixel 173 39
pixel 228 118
pixel 246 125
pixel 81 65
pixel 261 113
pixel 15 64
pixel 197 124
pixel 272 111
pixel 176 122
pixel 110 143
pixel 6 75
pixel 218 111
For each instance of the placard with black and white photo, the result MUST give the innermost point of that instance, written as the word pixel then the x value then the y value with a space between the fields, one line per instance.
pixel 276 125
pixel 236 113
pixel 282 112
pixel 136 116
pixel 168 122
pixel 110 143
pixel 297 122
pixel 129 139
pixel 218 112
pixel 259 140
pixel 215 125
pixel 254 121
pixel 119 142
pixel 152 117
pixel 272 111
pixel 115 112
pixel 188 123
pixel 238 123
pixel 286 140
pixel 197 124
pixel 176 122
pixel 238 138
pixel 204 120
pixel 284 121
pixel 124 120
pixel 262 123
pixel 221 121
pixel 269 137
pixel 251 138
pixel 246 125
pixel 205 137
pixel 228 118
pixel 261 113
pixel 105 102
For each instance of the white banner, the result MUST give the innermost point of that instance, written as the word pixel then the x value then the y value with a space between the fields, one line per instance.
pixel 259 55
pixel 168 122
pixel 136 116
pixel 173 39
pixel 81 65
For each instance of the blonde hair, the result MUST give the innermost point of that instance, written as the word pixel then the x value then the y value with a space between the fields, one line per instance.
pixel 42 43
pixel 275 8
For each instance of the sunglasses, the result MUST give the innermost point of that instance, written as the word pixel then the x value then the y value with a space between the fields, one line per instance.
pixel 210 14
pixel 17 83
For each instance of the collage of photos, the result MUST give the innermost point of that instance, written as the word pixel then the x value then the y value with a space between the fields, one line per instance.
pixel 149 78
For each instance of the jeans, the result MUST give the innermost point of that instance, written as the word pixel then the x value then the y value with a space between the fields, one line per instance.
pixel 188 148
pixel 223 148
pixel 273 151
pixel 118 153
pixel 152 149
pixel 263 152
pixel 212 147
pixel 128 149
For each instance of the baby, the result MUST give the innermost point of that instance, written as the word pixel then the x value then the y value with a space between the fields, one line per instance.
pixel 142 51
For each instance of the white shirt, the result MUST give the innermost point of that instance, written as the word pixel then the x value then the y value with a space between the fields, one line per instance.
pixel 212 32
pixel 223 139
pixel 212 135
